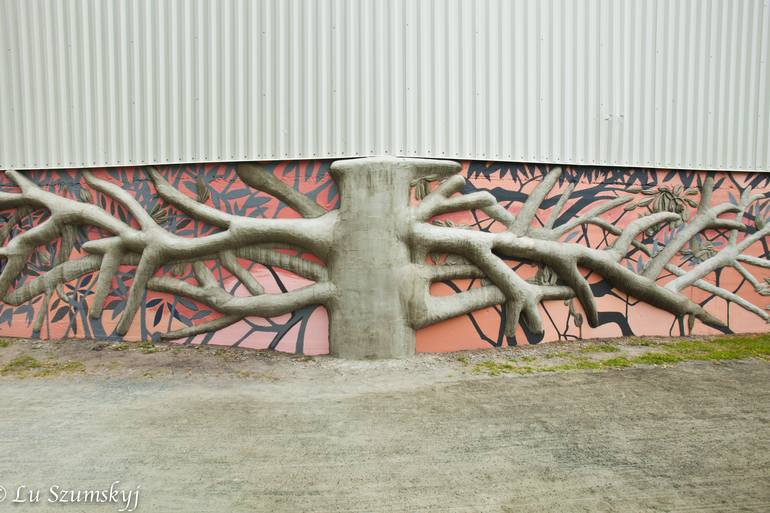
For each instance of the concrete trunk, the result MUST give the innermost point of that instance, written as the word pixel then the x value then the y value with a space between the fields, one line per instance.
pixel 370 260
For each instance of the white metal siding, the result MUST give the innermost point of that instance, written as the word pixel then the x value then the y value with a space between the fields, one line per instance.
pixel 666 83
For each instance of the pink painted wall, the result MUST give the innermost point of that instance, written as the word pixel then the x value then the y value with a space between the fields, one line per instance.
pixel 305 330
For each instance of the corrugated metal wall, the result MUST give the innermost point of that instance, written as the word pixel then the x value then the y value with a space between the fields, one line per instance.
pixel 668 83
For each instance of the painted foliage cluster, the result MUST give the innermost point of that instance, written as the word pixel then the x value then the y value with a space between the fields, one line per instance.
pixel 63 312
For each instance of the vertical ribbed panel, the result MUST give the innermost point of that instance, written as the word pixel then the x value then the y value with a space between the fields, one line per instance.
pixel 680 84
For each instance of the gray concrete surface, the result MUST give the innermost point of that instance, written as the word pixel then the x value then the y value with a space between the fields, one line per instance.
pixel 398 437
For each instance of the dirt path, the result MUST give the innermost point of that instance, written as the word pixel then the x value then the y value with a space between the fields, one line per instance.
pixel 430 434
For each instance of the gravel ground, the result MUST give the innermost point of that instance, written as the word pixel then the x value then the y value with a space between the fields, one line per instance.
pixel 213 431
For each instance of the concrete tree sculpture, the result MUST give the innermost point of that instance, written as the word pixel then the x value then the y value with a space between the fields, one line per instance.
pixel 377 276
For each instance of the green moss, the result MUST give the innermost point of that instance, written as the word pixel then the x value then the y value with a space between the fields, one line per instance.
pixel 52 369
pixel 727 348
pixel 119 347
pixel 657 359
pixel 26 365
pixel 617 362
pixel 575 364
pixel 718 349
pixel 148 347
pixel 599 348
pixel 5 342
pixel 20 364
pixel 494 368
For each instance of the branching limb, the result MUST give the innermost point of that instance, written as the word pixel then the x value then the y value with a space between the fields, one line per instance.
pixel 440 308
pixel 48 281
pixel 557 209
pixel 726 257
pixel 148 264
pixel 567 270
pixel 21 247
pixel 204 276
pixel 701 284
pixel 440 201
pixel 587 218
pixel 261 179
pixel 265 305
pixel 119 194
pixel 705 193
pixel 430 203
pixel 747 198
pixel 42 312
pixel 230 263
pixel 427 309
pixel 312 234
pixel 475 200
pixel 629 234
pixel 297 265
pixel 541 245
pixel 154 245
pixel 12 200
pixel 109 267
pixel 747 275
pixel 723 294
pixel 522 295
pixel 706 217
pixel 500 214
pixel 559 255
pixel 759 262
pixel 434 273
pixel 64 210
pixel 186 204
pixel 529 210
pixel 206 327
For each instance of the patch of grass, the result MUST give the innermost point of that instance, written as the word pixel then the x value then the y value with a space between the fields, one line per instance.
pixel 727 348
pixel 599 348
pixel 714 350
pixel 26 365
pixel 575 364
pixel 657 359
pixel 52 369
pixel 20 364
pixel 617 362
pixel 5 342
pixel 119 347
pixel 463 360
pixel 642 342
pixel 148 347
pixel 494 368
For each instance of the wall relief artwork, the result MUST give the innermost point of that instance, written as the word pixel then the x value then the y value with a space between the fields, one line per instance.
pixel 379 257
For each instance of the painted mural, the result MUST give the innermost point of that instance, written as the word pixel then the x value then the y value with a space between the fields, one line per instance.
pixel 699 238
